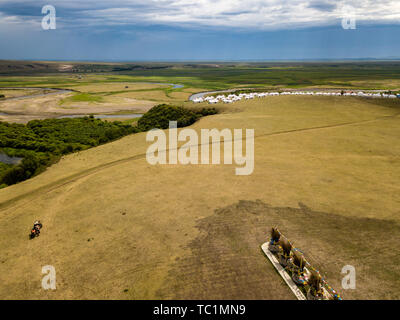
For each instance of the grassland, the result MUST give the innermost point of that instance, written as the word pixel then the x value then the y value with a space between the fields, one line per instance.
pixel 326 173
pixel 82 97
pixel 131 87
pixel 115 227
pixel 380 74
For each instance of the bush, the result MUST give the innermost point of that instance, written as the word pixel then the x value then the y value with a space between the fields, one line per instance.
pixel 14 175
pixel 25 170
pixel 207 111
pixel 159 116
pixel 41 141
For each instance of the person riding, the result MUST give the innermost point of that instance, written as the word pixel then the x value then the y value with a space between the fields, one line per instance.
pixel 37 225
pixel 35 231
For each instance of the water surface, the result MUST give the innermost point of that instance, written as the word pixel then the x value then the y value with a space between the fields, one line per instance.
pixel 9 160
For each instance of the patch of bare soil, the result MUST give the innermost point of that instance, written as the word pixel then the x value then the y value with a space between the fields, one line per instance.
pixel 226 261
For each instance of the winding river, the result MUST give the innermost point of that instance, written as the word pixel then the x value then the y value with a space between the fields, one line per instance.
pixel 54 91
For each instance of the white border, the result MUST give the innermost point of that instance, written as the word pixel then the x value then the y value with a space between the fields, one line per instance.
pixel 299 295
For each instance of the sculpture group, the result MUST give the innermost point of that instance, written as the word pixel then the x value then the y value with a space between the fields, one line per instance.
pixel 307 278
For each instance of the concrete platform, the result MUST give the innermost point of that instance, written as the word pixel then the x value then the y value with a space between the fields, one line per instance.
pixel 299 295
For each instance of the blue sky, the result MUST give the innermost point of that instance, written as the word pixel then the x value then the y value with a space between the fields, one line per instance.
pixel 132 30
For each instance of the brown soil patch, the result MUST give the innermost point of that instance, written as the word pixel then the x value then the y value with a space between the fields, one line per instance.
pixel 226 261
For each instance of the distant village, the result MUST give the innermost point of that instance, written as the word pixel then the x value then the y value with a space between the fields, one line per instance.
pixel 247 96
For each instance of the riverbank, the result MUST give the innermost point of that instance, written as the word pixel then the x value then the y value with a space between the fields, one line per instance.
pixel 99 99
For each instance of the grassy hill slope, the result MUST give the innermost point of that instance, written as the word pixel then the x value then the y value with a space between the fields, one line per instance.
pixel 326 172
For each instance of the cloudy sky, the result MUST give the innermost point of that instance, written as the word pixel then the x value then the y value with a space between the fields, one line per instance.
pixel 201 29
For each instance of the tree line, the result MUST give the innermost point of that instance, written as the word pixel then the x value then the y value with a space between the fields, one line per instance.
pixel 42 142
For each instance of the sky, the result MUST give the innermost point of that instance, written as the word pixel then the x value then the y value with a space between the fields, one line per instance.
pixel 200 30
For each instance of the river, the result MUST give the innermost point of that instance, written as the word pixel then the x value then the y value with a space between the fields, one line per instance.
pixel 53 91
pixel 9 160
pixel 59 90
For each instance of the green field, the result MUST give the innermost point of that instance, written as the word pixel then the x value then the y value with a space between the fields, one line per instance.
pixel 380 75
pixel 86 97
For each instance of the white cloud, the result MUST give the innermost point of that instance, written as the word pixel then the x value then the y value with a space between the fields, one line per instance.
pixel 252 14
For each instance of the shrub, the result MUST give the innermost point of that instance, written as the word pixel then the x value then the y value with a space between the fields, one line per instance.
pixel 14 175
pixel 26 169
pixel 159 117
pixel 41 141
pixel 207 111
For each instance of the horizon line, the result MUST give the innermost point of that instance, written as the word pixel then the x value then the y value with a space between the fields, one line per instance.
pixel 394 59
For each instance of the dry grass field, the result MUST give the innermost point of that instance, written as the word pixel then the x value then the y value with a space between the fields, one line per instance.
pixel 115 227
